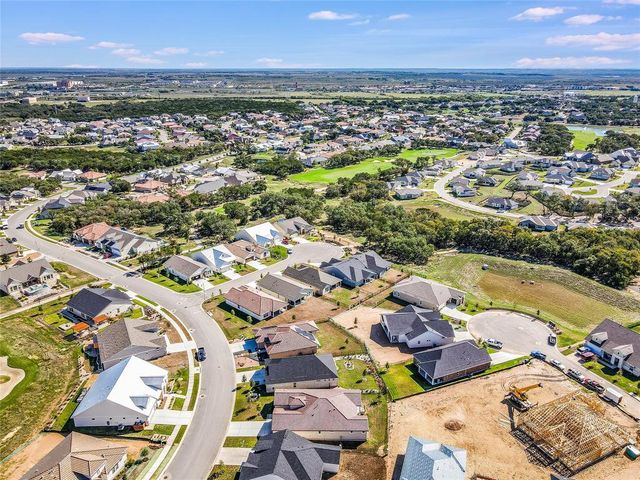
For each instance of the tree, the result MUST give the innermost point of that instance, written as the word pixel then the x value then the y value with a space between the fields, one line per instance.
pixel 119 185
pixel 238 211
pixel 218 227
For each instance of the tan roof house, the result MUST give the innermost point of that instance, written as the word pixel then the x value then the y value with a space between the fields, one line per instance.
pixel 254 303
pixel 91 233
pixel 282 341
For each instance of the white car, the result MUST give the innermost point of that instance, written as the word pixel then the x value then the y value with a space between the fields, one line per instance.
pixel 558 365
pixel 492 342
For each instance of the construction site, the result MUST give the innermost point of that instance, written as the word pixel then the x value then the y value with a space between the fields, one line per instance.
pixel 552 426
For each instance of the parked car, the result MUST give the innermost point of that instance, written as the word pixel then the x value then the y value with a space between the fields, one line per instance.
pixel 552 339
pixel 539 355
pixel 593 385
pixel 492 342
pixel 289 250
pixel 558 364
pixel 582 349
pixel 576 375
pixel 20 226
pixel 201 355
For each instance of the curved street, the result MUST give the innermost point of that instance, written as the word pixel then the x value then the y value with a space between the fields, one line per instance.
pixel 204 437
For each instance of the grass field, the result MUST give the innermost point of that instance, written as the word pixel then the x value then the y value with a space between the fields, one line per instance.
pixel 155 276
pixel 72 277
pixel 575 303
pixel 251 410
pixel 337 341
pixel 50 364
pixel 370 165
pixel 7 303
pixel 582 138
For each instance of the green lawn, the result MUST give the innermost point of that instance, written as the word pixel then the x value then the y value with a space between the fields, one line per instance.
pixel 623 380
pixel 72 277
pixel 7 303
pixel 154 275
pixel 354 377
pixel 589 191
pixel 240 442
pixel 224 472
pixel 370 165
pixel 583 183
pixel 243 268
pixel 234 324
pixel 194 391
pixel 251 410
pixel 582 138
pixel 337 341
pixel 575 303
pixel 42 227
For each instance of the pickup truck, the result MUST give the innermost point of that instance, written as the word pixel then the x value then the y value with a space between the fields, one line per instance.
pixel 539 355
pixel 576 375
pixel 492 342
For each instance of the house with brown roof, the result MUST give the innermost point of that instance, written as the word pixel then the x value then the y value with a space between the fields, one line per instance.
pixel 254 303
pixel 333 415
pixel 91 176
pixel 245 251
pixel 282 341
pixel 91 233
pixel 149 186
pixel 80 456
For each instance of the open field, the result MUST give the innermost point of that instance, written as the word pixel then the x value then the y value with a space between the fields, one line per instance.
pixel 471 415
pixel 370 165
pixel 7 303
pixel 50 364
pixel 575 303
pixel 72 277
pixel 583 138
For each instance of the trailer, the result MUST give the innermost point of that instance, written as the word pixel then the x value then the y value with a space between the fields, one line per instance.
pixel 612 395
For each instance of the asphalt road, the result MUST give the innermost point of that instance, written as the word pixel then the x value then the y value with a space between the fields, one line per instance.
pixel 521 334
pixel 205 435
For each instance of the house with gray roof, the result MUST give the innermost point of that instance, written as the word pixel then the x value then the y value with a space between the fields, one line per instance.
pixel 321 282
pixel 129 337
pixel 27 278
pixel 210 186
pixel 616 346
pixel 451 362
pixel 95 305
pixel 7 248
pixel 303 371
pixel 425 460
pixel 289 340
pixel 539 223
pixel 427 293
pixel 185 268
pixel 501 203
pixel 285 288
pixel 287 456
pixel 358 269
pixel 417 327
pixel 293 226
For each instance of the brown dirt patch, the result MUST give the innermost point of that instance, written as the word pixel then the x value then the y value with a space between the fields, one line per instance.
pixel 245 362
pixel 486 432
pixel 314 308
pixel 172 333
pixel 393 276
pixel 369 331
pixel 172 362
pixel 360 466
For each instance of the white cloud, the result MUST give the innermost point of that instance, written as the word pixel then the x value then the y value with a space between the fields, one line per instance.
pixel 110 45
pixel 398 16
pixel 366 21
pixel 144 60
pixel 195 64
pixel 537 14
pixel 569 62
pixel 210 53
pixel 329 15
pixel 50 38
pixel 78 65
pixel 584 19
pixel 623 2
pixel 269 62
pixel 126 52
pixel 600 41
pixel 171 51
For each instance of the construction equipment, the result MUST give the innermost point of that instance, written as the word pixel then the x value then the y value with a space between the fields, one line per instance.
pixel 519 398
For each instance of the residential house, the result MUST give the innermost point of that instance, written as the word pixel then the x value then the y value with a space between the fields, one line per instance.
pixel 210 186
pixel 486 182
pixel 126 394
pixel 463 191
pixel 80 456
pixel 285 288
pixel 333 414
pixel 425 460
pixel 304 371
pixel 254 303
pixel 320 281
pixel 293 226
pixel 407 193
pixel 66 175
pixel 28 278
pixel 427 293
pixel 474 173
pixel 91 176
pixel 90 234
pixel 616 346
pixel 96 305
pixel 287 456
pixel 358 269
pixel 185 268
pixel 7 248
pixel 451 362
pixel 264 234
pixel 98 187
pixel 123 243
pixel 417 327
pixel 218 259
pixel 501 203
pixel 289 340
pixel 149 186
pixel 539 223
pixel 128 337
pixel 245 251
pixel 580 156
pixel 602 173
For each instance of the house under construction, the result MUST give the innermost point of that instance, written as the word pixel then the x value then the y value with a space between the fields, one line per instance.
pixel 570 433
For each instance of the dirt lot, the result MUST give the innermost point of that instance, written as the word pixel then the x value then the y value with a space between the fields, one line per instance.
pixel 360 466
pixel 172 333
pixel 245 362
pixel 172 362
pixel 369 331
pixel 485 427
pixel 44 443
pixel 314 308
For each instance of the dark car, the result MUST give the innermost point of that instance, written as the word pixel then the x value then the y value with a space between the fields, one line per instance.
pixel 593 385
pixel 201 355
pixel 20 226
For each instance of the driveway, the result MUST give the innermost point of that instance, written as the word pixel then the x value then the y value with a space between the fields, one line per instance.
pixel 165 416
pixel 249 429
pixel 256 376
pixel 233 456
pixel 181 347
pixel 454 313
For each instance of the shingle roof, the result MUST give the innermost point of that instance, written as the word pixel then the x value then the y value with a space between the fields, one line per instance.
pixel 293 225
pixel 615 337
pixel 184 265
pixel 278 339
pixel 128 337
pixel 287 456
pixel 311 276
pixel 414 321
pixel 254 300
pixel 21 272
pixel 300 368
pixel 428 291
pixel 426 460
pixel 285 287
pixel 93 301
pixel 451 358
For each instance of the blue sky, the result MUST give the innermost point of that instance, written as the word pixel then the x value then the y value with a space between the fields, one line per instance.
pixel 313 34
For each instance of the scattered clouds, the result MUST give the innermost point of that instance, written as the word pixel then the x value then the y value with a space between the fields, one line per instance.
pixel 210 53
pixel 126 52
pixel 398 16
pixel 48 38
pixel 623 2
pixel 144 60
pixel 110 45
pixel 195 64
pixel 167 51
pixel 537 14
pixel 569 62
pixel 584 19
pixel 366 21
pixel 600 41
pixel 329 15
pixel 270 62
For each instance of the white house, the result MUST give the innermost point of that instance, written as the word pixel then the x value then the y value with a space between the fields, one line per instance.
pixel 425 460
pixel 264 234
pixel 125 394
pixel 219 259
